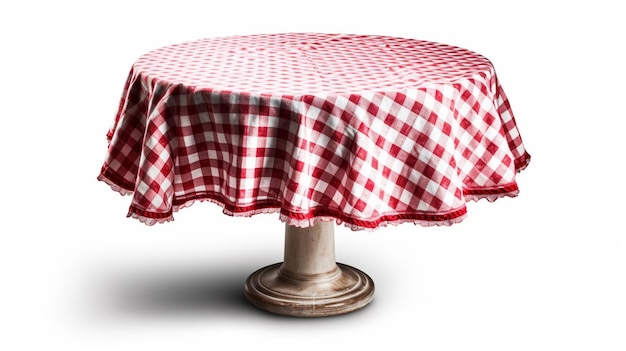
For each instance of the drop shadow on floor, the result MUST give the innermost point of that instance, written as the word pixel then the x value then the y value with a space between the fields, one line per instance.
pixel 185 291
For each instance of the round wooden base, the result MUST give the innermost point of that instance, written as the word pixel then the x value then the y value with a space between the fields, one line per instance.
pixel 346 290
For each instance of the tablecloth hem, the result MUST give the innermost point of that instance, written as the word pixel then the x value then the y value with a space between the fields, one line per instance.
pixel 491 194
pixel 114 186
pixel 356 227
pixel 149 221
pixel 522 162
pixel 308 219
pixel 424 219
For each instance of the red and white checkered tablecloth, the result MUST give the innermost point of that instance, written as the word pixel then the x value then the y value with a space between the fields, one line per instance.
pixel 363 130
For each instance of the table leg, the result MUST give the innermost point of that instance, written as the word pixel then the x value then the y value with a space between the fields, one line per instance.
pixel 309 283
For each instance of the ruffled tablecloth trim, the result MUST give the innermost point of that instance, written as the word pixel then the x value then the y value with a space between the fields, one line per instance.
pixel 114 185
pixel 309 219
pixel 306 220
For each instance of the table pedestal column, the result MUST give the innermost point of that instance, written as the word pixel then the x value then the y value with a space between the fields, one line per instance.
pixel 309 283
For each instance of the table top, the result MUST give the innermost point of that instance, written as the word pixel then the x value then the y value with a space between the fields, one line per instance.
pixel 364 130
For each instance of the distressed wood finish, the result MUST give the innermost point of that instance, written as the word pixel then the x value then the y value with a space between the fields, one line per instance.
pixel 309 283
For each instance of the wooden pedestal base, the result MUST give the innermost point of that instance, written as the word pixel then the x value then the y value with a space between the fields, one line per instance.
pixel 309 283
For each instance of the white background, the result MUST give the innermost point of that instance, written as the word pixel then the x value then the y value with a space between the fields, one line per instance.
pixel 543 271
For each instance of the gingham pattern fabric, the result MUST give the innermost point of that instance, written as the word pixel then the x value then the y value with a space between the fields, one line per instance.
pixel 363 130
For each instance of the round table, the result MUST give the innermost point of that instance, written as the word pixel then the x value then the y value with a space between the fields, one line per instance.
pixel 323 129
